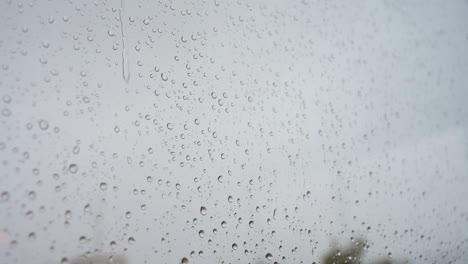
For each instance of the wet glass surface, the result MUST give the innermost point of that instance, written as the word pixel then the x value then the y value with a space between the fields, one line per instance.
pixel 233 131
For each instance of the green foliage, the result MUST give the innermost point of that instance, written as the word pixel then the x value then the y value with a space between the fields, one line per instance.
pixel 351 254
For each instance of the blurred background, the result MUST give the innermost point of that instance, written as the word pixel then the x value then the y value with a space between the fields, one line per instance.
pixel 233 131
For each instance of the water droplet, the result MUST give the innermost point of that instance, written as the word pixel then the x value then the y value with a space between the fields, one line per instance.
pixel 76 149
pixel 6 99
pixel 43 124
pixel 201 233
pixel 73 168
pixel 32 236
pixel 6 112
pixel 269 256
pixel 203 210
pixel 68 214
pixel 234 246
pixel 83 239
pixel 45 44
pixel 5 196
pixel 103 186
pixel 32 195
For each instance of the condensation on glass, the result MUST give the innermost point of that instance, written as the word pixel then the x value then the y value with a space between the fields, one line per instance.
pixel 233 131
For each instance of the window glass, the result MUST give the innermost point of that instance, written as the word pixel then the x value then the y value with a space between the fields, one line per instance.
pixel 226 131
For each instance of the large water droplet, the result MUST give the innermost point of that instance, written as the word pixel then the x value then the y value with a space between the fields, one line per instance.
pixel 201 233
pixel 43 124
pixel 73 168
pixel 103 186
pixel 203 210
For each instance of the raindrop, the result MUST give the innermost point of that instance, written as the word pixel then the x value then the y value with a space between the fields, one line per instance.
pixel 32 195
pixel 5 196
pixel 201 233
pixel 76 150
pixel 203 210
pixel 32 236
pixel 43 124
pixel 68 214
pixel 6 99
pixel 83 239
pixel 103 186
pixel 73 168
pixel 6 112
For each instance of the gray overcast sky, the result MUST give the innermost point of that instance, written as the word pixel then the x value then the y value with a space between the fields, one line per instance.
pixel 294 123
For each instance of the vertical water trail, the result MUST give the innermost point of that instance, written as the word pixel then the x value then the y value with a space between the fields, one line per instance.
pixel 125 63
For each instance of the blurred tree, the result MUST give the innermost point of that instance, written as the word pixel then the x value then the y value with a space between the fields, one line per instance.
pixel 352 254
